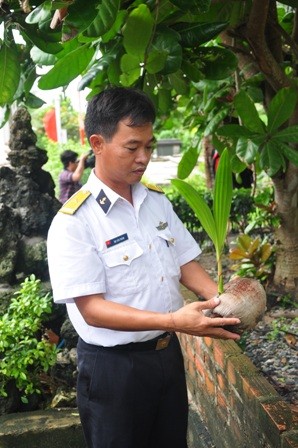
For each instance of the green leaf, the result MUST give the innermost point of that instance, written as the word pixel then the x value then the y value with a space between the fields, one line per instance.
pixel 188 162
pixel 166 42
pixel 131 69
pixel 281 108
pixel 199 6
pixel 67 68
pixel 164 100
pixel 247 150
pixel 195 34
pixel 271 159
pixel 234 130
pixel 34 102
pixel 216 62
pixel 192 71
pixel 42 58
pixel 79 17
pixel 199 206
pixel 179 82
pixel 248 113
pixel 137 31
pixel 290 153
pixel 9 74
pixel 215 121
pixel 40 14
pixel 223 190
pixel 46 42
pixel 106 16
pixel 289 134
pixel 155 61
pixel 113 31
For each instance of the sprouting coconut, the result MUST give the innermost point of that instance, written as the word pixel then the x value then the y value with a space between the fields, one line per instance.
pixel 244 298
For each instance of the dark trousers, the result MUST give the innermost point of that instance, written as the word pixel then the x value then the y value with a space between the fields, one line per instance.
pixel 132 399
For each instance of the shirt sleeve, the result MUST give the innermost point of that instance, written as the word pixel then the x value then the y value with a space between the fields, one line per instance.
pixel 75 266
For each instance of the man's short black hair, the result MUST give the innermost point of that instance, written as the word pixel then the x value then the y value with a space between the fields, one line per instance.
pixel 114 104
pixel 68 156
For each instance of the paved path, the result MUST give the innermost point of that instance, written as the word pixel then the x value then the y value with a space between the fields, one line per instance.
pixel 162 169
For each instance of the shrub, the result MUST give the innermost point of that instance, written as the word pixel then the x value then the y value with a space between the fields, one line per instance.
pixel 24 352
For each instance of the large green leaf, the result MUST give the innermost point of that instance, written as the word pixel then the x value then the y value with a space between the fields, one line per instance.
pixel 166 41
pixel 155 61
pixel 272 159
pixel 289 134
pixel 192 70
pixel 248 113
pixel 41 57
pixel 234 131
pixel 223 190
pixel 67 68
pixel 40 14
pixel 195 34
pixel 281 108
pixel 106 16
pixel 178 82
pixel 137 31
pixel 164 100
pixel 79 17
pixel 188 162
pixel 215 121
pixel 199 206
pixel 247 149
pixel 290 153
pixel 9 74
pixel 131 69
pixel 216 62
pixel 198 6
pixel 47 42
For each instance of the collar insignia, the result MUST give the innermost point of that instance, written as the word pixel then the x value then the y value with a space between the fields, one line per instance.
pixel 103 201
pixel 162 225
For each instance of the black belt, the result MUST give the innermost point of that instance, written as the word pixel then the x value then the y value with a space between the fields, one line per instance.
pixel 159 343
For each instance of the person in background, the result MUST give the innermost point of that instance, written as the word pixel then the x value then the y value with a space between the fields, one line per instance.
pixel 117 255
pixel 69 178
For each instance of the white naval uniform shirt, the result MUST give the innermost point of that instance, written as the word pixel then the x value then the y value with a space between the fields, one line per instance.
pixel 130 254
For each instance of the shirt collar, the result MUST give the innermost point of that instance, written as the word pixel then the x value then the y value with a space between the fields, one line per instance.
pixel 100 190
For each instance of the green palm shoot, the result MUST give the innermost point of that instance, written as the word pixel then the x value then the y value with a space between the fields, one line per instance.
pixel 215 220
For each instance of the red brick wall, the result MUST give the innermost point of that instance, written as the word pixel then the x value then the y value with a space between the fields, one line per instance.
pixel 238 405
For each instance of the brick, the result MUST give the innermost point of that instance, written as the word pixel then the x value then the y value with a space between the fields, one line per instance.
pixel 239 367
pixel 289 439
pixel 200 367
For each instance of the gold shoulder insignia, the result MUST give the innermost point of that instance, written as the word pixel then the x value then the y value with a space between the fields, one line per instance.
pixel 75 202
pixel 154 188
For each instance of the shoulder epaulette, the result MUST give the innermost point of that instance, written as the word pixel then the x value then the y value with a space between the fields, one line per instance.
pixel 75 202
pixel 154 188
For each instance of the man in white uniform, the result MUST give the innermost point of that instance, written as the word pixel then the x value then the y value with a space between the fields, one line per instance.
pixel 117 255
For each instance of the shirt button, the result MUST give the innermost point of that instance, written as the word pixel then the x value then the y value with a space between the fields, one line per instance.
pixel 125 257
pixel 172 240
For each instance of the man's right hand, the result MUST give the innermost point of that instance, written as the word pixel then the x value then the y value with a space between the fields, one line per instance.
pixel 190 319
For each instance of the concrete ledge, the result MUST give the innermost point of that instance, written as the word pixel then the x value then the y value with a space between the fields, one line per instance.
pixel 49 428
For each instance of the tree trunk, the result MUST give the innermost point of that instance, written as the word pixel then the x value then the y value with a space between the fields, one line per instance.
pixel 286 236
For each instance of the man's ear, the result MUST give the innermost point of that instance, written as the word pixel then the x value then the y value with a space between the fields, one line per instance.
pixel 96 142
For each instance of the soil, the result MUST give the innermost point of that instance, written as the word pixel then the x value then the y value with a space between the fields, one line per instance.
pixel 273 344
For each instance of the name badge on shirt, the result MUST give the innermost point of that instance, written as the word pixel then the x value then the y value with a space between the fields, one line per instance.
pixel 116 240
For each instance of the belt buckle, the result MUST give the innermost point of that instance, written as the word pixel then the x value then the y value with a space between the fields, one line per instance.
pixel 163 343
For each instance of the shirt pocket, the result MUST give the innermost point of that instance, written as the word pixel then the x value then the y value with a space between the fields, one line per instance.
pixel 125 270
pixel 165 245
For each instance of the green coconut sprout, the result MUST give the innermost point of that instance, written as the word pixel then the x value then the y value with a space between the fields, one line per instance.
pixel 215 220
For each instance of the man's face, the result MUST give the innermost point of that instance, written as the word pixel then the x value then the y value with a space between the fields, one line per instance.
pixel 122 161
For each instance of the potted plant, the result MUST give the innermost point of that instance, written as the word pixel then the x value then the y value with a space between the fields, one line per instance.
pixel 241 297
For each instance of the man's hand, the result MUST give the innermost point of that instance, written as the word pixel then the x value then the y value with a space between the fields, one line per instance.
pixel 191 320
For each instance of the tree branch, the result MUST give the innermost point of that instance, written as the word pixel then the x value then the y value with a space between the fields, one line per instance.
pixel 255 35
